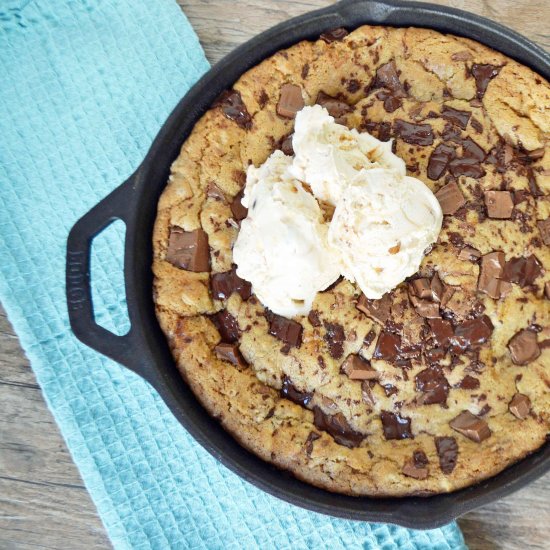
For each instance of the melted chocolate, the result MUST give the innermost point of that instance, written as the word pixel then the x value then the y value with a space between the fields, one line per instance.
pixel 471 333
pixel 286 330
pixel 233 108
pixel 522 271
pixel 440 158
pixel 337 426
pixel 447 450
pixel 483 74
pixel 289 391
pixel 227 326
pixel 434 386
pixel 237 209
pixel 456 117
pixel 224 284
pixel 388 346
pixel 415 134
pixel 395 426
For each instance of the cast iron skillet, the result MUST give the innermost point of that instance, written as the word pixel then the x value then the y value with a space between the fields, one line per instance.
pixel 144 349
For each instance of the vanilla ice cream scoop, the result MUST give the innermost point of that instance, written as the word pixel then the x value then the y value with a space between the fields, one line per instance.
pixel 282 247
pixel 329 155
pixel 381 227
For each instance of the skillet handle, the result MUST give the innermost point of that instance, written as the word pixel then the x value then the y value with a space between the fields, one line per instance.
pixel 79 296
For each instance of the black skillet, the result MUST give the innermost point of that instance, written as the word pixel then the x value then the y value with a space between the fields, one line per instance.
pixel 144 349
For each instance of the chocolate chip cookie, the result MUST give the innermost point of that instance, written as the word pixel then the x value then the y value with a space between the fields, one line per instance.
pixel 443 382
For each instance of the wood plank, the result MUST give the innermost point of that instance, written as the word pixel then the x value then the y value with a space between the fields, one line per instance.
pixel 41 515
pixel 43 503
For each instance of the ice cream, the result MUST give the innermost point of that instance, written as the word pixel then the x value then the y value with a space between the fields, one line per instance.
pixel 383 220
pixel 381 228
pixel 329 155
pixel 282 246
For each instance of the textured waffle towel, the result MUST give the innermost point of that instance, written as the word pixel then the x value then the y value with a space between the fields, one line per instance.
pixel 84 87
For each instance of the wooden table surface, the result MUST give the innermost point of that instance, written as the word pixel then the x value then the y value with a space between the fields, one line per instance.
pixel 43 502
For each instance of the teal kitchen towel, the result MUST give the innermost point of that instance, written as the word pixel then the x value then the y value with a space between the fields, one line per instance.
pixel 84 87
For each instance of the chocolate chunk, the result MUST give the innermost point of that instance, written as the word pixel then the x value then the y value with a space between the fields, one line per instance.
pixel 289 391
pixel 524 347
pixel 387 347
pixel 227 326
pixel 437 288
pixel 377 310
pixel 416 466
pixel 388 77
pixel 447 450
pixel 476 125
pixel 286 145
pixel 290 101
pixel 426 309
pixel 434 355
pixel 442 332
pixel 335 35
pixel 439 160
pixel 544 228
pixel 371 335
pixel 214 192
pixel 420 459
pixel 469 383
pixel 233 108
pixel 337 426
pixel 391 102
pixel 335 337
pixel 390 389
pixel 471 149
pixel 231 353
pixel 434 386
pixel 471 333
pixel 522 271
pixel 547 290
pixel 499 204
pixel 224 284
pixel 483 74
pixel 188 249
pixel 532 181
pixel 450 198
pixel 335 107
pixel 286 330
pixel 410 469
pixel 313 436
pixel 421 288
pixel 448 292
pixel 469 253
pixel 237 209
pixel 471 426
pixel 454 116
pixel 313 318
pixel 520 406
pixel 489 281
pixel 415 134
pixel 358 368
pixel 395 426
pixel 469 164
pixel 451 133
pixel 384 131
pixel 366 393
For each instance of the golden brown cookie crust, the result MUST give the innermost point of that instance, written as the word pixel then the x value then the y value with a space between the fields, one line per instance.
pixel 510 117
